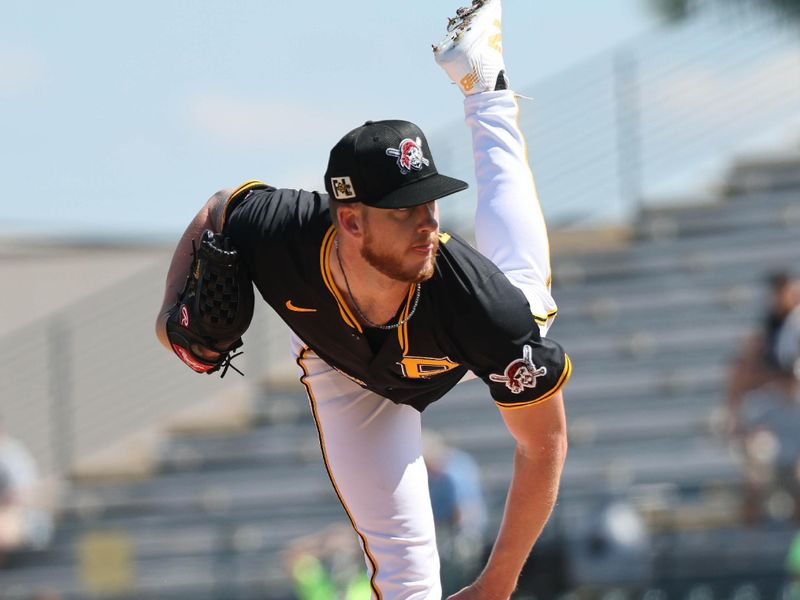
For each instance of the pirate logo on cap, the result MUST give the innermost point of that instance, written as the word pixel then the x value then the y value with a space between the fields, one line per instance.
pixel 520 373
pixel 409 155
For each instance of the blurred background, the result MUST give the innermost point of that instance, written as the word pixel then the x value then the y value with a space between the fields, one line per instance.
pixel 665 140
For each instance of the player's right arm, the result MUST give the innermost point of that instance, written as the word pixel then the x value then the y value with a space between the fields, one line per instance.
pixel 540 433
pixel 210 217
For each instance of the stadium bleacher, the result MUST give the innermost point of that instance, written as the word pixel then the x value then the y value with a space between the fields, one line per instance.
pixel 650 327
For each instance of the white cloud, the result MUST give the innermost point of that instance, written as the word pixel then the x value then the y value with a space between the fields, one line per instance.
pixel 251 122
pixel 21 70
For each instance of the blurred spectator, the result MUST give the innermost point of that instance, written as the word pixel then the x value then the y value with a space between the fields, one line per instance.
pixel 771 426
pixel 327 565
pixel 787 346
pixel 25 523
pixel 459 511
pixel 757 362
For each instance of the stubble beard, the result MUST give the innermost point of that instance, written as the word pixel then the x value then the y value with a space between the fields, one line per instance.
pixel 392 266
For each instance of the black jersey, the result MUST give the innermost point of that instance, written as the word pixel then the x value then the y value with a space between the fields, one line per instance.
pixel 469 316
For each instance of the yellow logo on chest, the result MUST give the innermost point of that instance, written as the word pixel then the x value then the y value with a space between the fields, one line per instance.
pixel 423 367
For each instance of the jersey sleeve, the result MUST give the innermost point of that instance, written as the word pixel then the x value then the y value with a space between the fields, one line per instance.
pixel 258 218
pixel 506 350
pixel 238 195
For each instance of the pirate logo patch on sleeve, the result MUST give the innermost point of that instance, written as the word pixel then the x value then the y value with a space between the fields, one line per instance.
pixel 520 373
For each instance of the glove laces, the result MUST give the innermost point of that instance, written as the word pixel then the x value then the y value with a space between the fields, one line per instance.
pixel 226 363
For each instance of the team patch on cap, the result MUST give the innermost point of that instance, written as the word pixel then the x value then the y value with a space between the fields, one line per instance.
pixel 409 155
pixel 342 188
pixel 520 373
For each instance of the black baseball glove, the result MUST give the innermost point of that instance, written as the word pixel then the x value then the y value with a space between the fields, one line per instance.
pixel 214 309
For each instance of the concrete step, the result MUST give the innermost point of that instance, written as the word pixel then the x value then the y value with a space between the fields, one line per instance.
pixel 753 251
pixel 757 211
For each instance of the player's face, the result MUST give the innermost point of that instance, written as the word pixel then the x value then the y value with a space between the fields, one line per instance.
pixel 402 243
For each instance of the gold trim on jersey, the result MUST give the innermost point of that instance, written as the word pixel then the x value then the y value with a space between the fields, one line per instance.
pixel 327 277
pixel 418 367
pixel 246 186
pixel 565 375
pixel 543 320
pixel 313 403
pixel 402 331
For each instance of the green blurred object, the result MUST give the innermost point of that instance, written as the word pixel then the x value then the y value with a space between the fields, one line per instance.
pixel 358 588
pixel 793 558
pixel 793 569
pixel 311 580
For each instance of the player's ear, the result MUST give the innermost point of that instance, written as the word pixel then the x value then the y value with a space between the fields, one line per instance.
pixel 351 220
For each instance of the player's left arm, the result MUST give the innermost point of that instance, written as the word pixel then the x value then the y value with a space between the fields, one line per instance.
pixel 209 217
pixel 540 432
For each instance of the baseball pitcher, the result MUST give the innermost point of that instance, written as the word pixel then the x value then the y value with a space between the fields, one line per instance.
pixel 389 312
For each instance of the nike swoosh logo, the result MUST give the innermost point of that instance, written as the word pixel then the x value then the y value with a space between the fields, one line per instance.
pixel 294 308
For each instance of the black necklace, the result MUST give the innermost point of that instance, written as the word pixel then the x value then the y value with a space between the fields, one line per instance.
pixel 358 309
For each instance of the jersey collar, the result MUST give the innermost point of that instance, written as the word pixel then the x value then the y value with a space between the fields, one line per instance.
pixel 344 310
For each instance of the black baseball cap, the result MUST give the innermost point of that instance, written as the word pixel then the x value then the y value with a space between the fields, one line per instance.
pixel 386 164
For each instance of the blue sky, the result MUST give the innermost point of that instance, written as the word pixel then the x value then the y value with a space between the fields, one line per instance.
pixel 122 118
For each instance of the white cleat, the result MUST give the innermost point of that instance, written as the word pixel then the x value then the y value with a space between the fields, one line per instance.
pixel 472 51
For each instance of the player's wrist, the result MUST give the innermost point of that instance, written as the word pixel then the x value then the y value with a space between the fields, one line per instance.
pixel 495 585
